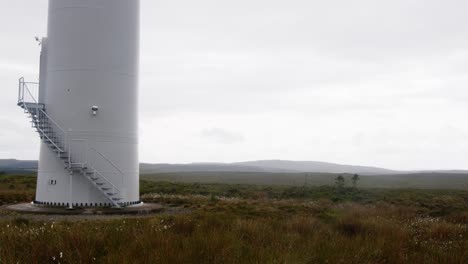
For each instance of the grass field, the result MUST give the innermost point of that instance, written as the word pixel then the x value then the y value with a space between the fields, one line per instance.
pixel 399 181
pixel 230 223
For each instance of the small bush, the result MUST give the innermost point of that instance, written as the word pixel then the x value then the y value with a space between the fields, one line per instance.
pixel 21 221
pixel 351 226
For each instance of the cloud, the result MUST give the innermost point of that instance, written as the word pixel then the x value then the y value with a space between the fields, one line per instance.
pixel 220 135
pixel 358 82
pixel 15 67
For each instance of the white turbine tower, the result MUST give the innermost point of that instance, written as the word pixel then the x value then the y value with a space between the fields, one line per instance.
pixel 85 109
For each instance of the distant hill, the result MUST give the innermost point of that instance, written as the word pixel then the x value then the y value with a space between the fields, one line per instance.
pixel 265 166
pixel 314 166
pixel 272 166
pixel 282 172
pixel 206 167
pixel 17 165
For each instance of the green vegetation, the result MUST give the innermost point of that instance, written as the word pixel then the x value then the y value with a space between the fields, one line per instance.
pixel 340 183
pixel 415 181
pixel 16 188
pixel 231 223
pixel 355 180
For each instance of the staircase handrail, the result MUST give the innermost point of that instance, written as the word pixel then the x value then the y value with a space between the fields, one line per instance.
pixel 70 151
pixel 32 103
pixel 105 158
pixel 104 177
pixel 45 134
pixel 108 160
pixel 54 122
pixel 51 141
pixel 24 85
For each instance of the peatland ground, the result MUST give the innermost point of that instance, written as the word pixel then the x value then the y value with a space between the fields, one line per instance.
pixel 233 223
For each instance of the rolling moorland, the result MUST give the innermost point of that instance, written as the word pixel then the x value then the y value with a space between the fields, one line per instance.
pixel 247 223
pixel 266 166
pixel 281 172
pixel 417 180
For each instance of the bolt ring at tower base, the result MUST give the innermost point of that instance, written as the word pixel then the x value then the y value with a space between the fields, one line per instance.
pixel 85 205
pixel 139 209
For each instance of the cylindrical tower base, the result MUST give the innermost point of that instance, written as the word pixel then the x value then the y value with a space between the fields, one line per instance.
pixel 91 95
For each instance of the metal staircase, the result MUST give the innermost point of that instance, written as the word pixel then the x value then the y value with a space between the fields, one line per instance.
pixel 59 142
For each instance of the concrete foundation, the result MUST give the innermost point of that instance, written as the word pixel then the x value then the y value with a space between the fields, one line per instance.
pixel 141 209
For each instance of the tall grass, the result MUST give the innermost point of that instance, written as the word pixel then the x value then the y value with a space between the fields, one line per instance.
pixel 356 235
pixel 246 224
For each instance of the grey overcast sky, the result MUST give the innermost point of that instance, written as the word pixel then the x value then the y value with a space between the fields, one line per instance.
pixel 366 82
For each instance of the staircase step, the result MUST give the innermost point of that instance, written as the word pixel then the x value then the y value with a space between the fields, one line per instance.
pixel 42 131
pixel 49 138
pixel 48 135
pixel 77 166
pixel 77 170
